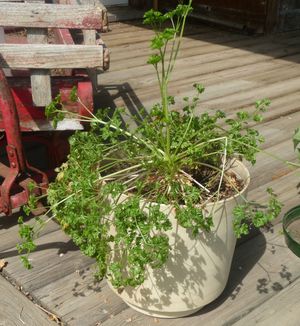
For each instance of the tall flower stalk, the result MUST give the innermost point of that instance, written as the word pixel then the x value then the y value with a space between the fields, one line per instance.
pixel 166 43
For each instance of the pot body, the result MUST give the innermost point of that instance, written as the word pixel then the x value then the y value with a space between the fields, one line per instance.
pixel 198 267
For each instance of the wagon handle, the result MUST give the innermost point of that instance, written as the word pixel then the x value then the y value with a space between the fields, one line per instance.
pixel 11 125
pixel 15 153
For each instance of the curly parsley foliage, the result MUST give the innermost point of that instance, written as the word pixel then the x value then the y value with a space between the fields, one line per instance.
pixel 86 214
pixel 108 162
pixel 251 213
pixel 53 112
pixel 296 140
pixel 109 196
pixel 26 232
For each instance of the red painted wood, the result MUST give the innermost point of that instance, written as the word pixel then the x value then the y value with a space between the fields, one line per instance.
pixel 28 114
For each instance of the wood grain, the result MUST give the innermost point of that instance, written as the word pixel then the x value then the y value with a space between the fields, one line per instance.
pixel 7 72
pixel 51 15
pixel 40 79
pixel 41 87
pixel 281 309
pixel 2 35
pixel 95 299
pixel 9 235
pixel 54 250
pixel 17 310
pixel 51 56
pixel 96 3
pixel 89 38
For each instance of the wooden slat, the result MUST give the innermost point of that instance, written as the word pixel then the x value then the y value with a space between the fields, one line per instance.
pixel 7 72
pixel 89 38
pixel 51 15
pixel 2 36
pixel 96 3
pixel 81 2
pixel 51 56
pixel 40 79
pixel 17 310
pixel 41 87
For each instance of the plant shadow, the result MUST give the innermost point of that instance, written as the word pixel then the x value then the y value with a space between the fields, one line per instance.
pixel 108 96
pixel 246 256
pixel 8 222
pixel 62 249
pixel 86 281
pixel 197 269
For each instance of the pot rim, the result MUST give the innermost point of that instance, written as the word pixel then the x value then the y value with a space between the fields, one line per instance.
pixel 246 180
pixel 231 163
pixel 289 217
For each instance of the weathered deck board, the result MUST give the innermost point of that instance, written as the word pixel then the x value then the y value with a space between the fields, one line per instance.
pixel 230 81
pixel 80 299
pixel 208 51
pixel 17 310
pixel 285 186
pixel 221 93
pixel 204 37
pixel 236 70
pixel 282 309
pixel 54 251
pixel 143 37
pixel 9 232
pixel 62 279
pixel 218 82
pixel 201 65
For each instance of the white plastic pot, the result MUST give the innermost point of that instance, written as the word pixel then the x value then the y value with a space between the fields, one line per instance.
pixel 197 270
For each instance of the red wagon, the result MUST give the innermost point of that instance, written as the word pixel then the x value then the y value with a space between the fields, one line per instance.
pixel 32 72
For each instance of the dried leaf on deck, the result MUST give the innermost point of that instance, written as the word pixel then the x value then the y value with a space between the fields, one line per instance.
pixel 3 263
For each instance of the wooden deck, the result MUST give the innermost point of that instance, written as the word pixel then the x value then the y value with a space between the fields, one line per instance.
pixel 264 284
